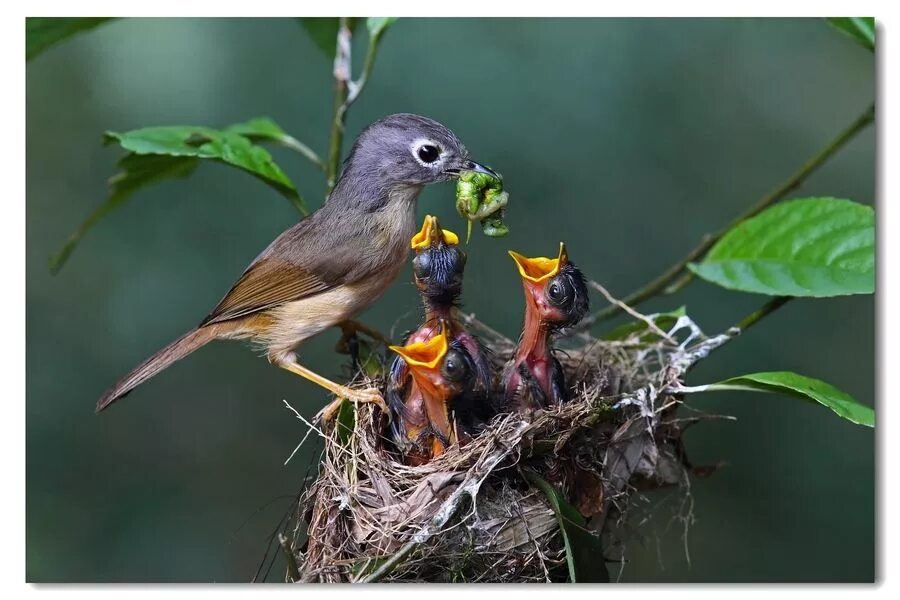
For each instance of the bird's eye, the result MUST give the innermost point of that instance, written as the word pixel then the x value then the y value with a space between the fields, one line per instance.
pixel 422 265
pixel 454 366
pixel 428 153
pixel 558 292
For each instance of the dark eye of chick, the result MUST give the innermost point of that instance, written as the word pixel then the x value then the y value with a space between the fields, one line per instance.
pixel 422 265
pixel 559 292
pixel 428 153
pixel 455 368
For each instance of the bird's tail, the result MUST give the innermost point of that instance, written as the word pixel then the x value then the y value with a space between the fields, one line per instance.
pixel 156 363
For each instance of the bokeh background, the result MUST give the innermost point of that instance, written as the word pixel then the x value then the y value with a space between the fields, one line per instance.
pixel 629 139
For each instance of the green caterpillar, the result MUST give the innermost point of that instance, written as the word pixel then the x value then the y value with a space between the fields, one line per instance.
pixel 480 197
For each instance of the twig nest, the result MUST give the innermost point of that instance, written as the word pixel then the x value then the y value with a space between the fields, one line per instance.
pixel 492 510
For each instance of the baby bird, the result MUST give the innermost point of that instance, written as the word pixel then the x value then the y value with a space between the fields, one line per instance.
pixel 438 273
pixel 556 297
pixel 442 394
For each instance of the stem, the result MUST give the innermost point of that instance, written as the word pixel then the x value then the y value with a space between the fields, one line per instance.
pixel 296 145
pixel 293 569
pixel 347 91
pixel 341 78
pixel 766 309
pixel 660 283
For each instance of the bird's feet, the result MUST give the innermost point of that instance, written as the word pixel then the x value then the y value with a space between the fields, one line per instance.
pixel 366 396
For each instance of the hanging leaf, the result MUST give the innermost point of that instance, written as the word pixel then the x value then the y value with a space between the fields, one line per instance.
pixel 137 171
pixel 809 247
pixel 584 552
pixel 664 321
pixel 799 386
pixel 323 32
pixel 861 29
pixel 160 153
pixel 43 32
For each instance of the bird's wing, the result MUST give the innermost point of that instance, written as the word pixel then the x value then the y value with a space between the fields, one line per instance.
pixel 311 257
pixel 267 283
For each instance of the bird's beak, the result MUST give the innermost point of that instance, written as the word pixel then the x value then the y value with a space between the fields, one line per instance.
pixel 479 168
pixel 471 165
pixel 540 268
pixel 425 357
pixel 431 234
pixel 425 360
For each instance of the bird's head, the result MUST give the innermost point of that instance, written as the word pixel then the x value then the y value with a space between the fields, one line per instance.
pixel 411 150
pixel 554 287
pixel 441 368
pixel 439 263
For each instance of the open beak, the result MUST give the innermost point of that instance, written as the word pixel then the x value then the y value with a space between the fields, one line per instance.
pixel 431 234
pixel 425 360
pixel 540 268
pixel 471 165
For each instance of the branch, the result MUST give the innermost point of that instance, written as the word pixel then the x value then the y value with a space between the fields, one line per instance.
pixel 766 309
pixel 342 63
pixel 661 282
pixel 702 350
pixel 347 91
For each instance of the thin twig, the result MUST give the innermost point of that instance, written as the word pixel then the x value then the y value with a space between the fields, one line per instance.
pixel 661 282
pixel 616 302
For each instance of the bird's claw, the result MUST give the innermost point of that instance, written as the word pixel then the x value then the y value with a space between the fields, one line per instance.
pixel 364 396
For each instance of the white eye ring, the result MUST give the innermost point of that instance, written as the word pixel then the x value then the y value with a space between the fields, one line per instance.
pixel 417 145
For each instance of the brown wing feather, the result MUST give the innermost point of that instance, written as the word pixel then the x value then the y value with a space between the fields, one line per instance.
pixel 265 284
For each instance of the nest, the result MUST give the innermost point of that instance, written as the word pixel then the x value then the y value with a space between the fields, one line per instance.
pixel 525 501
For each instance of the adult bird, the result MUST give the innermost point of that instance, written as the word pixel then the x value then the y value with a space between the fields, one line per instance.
pixel 335 262
pixel 438 269
pixel 556 297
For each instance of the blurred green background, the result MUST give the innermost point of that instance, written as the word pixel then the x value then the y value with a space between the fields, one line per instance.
pixel 629 139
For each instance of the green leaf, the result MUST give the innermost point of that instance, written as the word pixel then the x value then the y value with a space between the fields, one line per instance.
pixel 264 129
pixel 814 247
pixel 204 142
pixel 259 129
pixel 345 421
pixel 323 32
pixel 584 551
pixel 799 386
pixel 43 32
pixel 378 25
pixel 664 321
pixel 137 171
pixel 159 153
pixel 861 29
